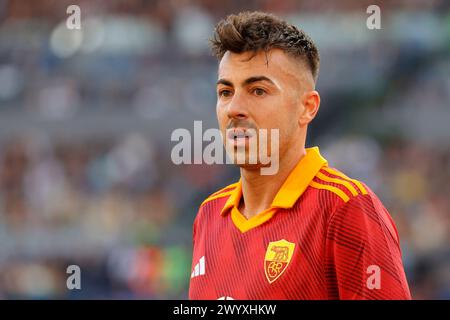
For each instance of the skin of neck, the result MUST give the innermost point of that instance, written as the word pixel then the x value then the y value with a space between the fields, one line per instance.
pixel 258 191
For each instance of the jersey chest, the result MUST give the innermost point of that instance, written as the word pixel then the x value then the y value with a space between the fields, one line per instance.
pixel 280 259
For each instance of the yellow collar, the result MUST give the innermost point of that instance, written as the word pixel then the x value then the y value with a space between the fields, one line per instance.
pixel 294 186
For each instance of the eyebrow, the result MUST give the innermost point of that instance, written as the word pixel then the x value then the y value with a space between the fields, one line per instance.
pixel 246 81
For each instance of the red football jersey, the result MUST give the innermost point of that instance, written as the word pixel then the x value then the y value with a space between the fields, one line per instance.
pixel 325 236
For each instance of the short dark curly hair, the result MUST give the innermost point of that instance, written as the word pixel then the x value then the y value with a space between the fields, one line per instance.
pixel 258 31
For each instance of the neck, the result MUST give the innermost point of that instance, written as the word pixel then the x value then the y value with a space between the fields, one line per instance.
pixel 258 191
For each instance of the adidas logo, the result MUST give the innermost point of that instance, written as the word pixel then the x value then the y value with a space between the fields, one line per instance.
pixel 199 268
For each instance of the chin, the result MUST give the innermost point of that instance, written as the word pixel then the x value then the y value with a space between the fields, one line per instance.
pixel 248 166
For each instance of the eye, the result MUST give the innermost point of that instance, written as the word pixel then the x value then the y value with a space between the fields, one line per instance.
pixel 225 93
pixel 259 91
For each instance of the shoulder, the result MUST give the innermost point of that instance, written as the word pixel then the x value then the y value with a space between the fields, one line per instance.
pixel 221 194
pixel 338 185
pixel 353 203
pixel 331 189
pixel 212 205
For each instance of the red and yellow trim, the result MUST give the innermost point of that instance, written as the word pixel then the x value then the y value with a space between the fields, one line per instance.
pixel 361 188
pixel 294 186
pixel 244 224
pixel 299 179
pixel 224 192
pixel 227 188
pixel 311 166
pixel 345 185
pixel 341 194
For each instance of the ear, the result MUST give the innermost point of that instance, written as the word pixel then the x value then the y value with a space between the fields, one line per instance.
pixel 311 103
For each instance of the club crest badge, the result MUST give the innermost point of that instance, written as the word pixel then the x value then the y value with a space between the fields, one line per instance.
pixel 278 256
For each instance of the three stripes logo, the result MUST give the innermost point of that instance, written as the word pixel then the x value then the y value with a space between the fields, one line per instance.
pixel 199 269
pixel 338 183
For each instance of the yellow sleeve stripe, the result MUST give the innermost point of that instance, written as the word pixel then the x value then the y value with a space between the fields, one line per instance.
pixel 335 190
pixel 221 195
pixel 225 189
pixel 345 183
pixel 343 176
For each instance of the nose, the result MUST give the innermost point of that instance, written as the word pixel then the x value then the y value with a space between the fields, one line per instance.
pixel 236 108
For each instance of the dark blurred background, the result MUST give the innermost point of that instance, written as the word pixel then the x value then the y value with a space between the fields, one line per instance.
pixel 86 117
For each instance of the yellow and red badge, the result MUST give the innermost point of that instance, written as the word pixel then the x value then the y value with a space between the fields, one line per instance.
pixel 278 256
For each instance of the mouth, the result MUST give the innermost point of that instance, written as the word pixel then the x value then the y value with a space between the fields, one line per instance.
pixel 238 134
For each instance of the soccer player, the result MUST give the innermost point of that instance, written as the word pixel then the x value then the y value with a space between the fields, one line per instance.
pixel 308 231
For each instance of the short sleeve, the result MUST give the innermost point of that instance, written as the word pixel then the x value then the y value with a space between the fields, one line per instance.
pixel 363 257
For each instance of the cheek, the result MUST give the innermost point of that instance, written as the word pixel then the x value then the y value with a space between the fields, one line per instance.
pixel 221 116
pixel 219 110
pixel 282 114
pixel 288 121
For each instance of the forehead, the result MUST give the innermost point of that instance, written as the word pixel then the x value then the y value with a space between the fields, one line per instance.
pixel 274 64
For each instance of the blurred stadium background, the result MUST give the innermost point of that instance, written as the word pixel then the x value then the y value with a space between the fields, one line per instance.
pixel 86 117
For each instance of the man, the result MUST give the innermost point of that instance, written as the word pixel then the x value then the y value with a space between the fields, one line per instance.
pixel 308 231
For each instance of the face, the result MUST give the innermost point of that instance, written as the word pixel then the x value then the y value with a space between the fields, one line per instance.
pixel 266 91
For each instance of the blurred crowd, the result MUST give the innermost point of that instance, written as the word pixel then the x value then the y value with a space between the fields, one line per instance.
pixel 108 206
pixel 86 116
